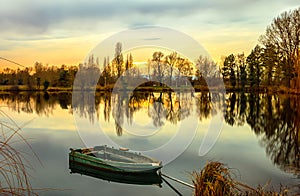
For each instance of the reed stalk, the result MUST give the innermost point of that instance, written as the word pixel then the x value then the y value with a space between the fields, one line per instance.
pixel 14 177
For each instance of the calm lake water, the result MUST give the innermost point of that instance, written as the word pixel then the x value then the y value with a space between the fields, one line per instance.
pixel 259 135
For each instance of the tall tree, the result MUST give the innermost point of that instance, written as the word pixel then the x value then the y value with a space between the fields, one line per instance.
pixel 183 66
pixel 38 73
pixel 241 64
pixel 128 64
pixel 284 33
pixel 207 67
pixel 270 63
pixel 228 69
pixel 206 71
pixel 254 63
pixel 171 61
pixel 118 60
pixel 157 59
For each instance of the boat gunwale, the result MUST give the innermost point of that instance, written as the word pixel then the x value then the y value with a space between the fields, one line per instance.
pixel 118 170
pixel 156 178
pixel 114 166
pixel 105 161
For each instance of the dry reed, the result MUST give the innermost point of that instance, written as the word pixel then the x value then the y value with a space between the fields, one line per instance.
pixel 215 179
pixel 14 177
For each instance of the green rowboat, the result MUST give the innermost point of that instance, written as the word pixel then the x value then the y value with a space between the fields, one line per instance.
pixel 121 160
pixel 120 177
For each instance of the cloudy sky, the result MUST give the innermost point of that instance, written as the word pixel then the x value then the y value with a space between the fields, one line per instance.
pixel 64 31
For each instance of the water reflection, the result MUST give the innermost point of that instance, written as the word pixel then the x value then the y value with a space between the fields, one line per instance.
pixel 40 103
pixel 273 118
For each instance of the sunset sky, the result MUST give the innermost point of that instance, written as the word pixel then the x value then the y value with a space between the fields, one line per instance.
pixel 64 31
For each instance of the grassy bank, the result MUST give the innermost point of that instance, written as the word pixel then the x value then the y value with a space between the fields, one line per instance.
pixel 196 88
pixel 20 88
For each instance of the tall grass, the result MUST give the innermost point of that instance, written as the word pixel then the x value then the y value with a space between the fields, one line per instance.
pixel 213 179
pixel 14 177
pixel 216 179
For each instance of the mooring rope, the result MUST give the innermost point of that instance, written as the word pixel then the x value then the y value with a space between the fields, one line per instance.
pixel 179 181
pixel 172 187
pixel 11 61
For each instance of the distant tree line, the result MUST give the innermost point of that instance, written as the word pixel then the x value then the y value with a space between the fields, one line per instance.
pixel 39 76
pixel 161 70
pixel 274 62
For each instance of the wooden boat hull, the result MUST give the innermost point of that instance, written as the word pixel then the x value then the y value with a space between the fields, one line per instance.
pixel 111 165
pixel 110 175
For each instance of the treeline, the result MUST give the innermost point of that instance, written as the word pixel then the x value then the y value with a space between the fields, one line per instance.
pixel 160 70
pixel 39 77
pixel 272 63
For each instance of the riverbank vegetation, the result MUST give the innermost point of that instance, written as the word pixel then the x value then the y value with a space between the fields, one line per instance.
pixel 216 179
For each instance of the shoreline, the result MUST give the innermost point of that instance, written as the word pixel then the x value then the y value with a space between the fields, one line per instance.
pixel 110 88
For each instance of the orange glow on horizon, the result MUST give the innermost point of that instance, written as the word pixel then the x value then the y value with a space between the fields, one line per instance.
pixel 72 51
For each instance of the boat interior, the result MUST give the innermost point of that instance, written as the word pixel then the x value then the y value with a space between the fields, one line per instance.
pixel 118 155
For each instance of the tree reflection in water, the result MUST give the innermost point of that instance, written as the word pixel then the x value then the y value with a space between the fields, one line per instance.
pixel 274 118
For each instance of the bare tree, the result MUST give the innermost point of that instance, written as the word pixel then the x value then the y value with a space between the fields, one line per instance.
pixel 171 60
pixel 207 67
pixel 284 33
pixel 157 58
pixel 118 60
pixel 184 68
